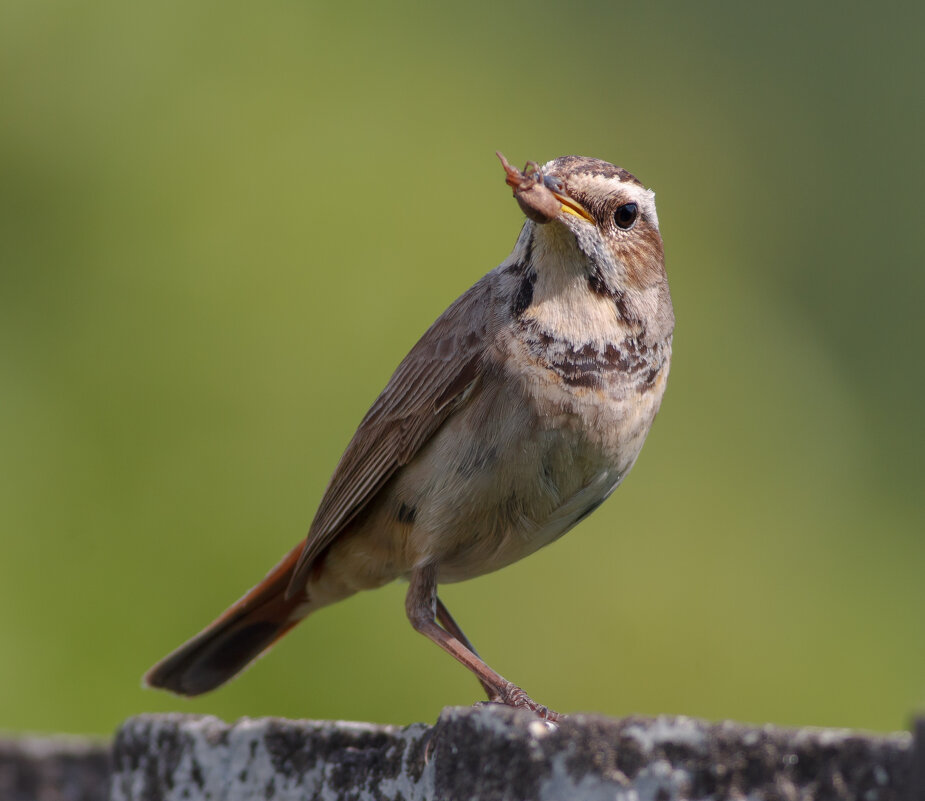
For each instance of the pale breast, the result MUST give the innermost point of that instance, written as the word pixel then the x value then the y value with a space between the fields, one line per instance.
pixel 528 456
pixel 536 450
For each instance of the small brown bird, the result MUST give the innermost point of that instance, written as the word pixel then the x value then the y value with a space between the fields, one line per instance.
pixel 514 417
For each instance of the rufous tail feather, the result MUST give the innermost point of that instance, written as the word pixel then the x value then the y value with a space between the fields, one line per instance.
pixel 237 637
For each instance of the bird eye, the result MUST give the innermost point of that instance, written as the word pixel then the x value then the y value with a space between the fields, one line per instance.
pixel 626 215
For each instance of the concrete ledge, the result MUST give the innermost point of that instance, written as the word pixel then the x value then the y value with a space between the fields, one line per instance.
pixel 486 752
pixel 54 769
pixel 491 752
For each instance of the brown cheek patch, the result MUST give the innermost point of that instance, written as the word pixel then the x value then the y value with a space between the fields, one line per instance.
pixel 643 257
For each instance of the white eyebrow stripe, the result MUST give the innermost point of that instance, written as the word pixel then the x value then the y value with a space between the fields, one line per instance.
pixel 604 188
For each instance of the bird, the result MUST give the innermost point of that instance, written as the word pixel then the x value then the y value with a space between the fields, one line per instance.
pixel 514 417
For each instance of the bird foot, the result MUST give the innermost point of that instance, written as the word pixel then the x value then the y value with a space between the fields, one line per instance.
pixel 513 696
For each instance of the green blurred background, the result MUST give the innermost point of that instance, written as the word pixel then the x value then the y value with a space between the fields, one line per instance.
pixel 223 224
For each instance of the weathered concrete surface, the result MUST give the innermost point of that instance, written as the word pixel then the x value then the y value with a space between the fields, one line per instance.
pixel 53 769
pixel 492 752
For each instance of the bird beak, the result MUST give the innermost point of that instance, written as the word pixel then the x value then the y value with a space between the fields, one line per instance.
pixel 569 205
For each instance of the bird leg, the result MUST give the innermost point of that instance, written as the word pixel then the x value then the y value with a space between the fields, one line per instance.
pixel 421 608
pixel 452 628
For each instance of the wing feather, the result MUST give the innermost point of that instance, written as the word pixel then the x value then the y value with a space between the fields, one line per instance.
pixel 418 398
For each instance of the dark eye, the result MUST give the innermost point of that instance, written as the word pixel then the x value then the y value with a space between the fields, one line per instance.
pixel 626 215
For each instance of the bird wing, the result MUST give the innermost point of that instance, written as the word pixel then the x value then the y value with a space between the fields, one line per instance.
pixel 422 393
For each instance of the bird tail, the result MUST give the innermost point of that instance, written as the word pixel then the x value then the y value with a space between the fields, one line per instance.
pixel 237 637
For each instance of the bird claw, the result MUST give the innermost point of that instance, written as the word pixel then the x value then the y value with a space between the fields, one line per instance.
pixel 512 695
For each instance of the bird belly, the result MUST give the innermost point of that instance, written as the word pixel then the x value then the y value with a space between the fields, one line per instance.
pixel 506 477
pixel 500 545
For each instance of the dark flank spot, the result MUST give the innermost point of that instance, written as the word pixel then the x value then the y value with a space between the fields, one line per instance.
pixel 407 514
